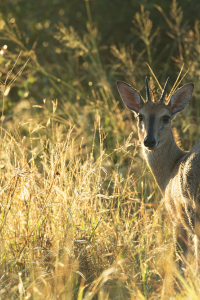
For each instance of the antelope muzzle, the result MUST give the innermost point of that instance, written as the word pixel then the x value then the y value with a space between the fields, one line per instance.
pixel 150 142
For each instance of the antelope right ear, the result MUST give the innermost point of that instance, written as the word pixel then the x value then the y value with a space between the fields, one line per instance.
pixel 180 99
pixel 130 96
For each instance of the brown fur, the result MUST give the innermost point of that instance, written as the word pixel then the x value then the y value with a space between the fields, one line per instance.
pixel 176 172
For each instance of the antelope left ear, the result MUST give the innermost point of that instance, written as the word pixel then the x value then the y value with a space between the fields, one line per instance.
pixel 130 96
pixel 180 99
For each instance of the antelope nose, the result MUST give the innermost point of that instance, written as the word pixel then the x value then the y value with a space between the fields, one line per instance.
pixel 149 142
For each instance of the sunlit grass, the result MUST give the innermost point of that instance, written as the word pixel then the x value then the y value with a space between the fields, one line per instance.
pixel 76 227
pixel 81 216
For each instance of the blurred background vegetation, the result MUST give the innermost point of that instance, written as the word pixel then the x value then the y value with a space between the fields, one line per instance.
pixel 78 49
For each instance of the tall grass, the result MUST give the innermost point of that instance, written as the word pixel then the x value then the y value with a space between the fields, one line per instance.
pixel 81 215
pixel 76 227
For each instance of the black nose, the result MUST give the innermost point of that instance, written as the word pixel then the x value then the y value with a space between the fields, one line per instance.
pixel 149 142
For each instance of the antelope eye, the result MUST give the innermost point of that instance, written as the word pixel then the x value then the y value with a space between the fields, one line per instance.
pixel 140 117
pixel 166 119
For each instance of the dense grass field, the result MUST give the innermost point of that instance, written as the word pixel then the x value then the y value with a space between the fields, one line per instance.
pixel 81 216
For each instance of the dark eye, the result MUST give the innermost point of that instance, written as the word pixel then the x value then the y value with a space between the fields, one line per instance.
pixel 166 119
pixel 140 117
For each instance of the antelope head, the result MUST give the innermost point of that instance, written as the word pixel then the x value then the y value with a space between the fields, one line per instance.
pixel 154 118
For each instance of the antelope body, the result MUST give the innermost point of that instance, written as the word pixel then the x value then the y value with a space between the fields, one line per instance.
pixel 176 172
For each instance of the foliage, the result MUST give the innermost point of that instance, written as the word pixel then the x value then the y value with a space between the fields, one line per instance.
pixel 81 215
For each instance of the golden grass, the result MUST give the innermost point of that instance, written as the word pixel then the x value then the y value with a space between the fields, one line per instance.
pixel 73 227
pixel 81 216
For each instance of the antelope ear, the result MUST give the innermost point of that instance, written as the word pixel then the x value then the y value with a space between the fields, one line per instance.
pixel 180 99
pixel 130 96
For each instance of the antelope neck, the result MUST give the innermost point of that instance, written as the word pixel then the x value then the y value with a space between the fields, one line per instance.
pixel 164 161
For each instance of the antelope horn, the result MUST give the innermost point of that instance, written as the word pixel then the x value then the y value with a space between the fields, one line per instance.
pixel 162 98
pixel 148 91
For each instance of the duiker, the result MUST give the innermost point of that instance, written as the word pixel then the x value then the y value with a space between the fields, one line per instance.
pixel 176 172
